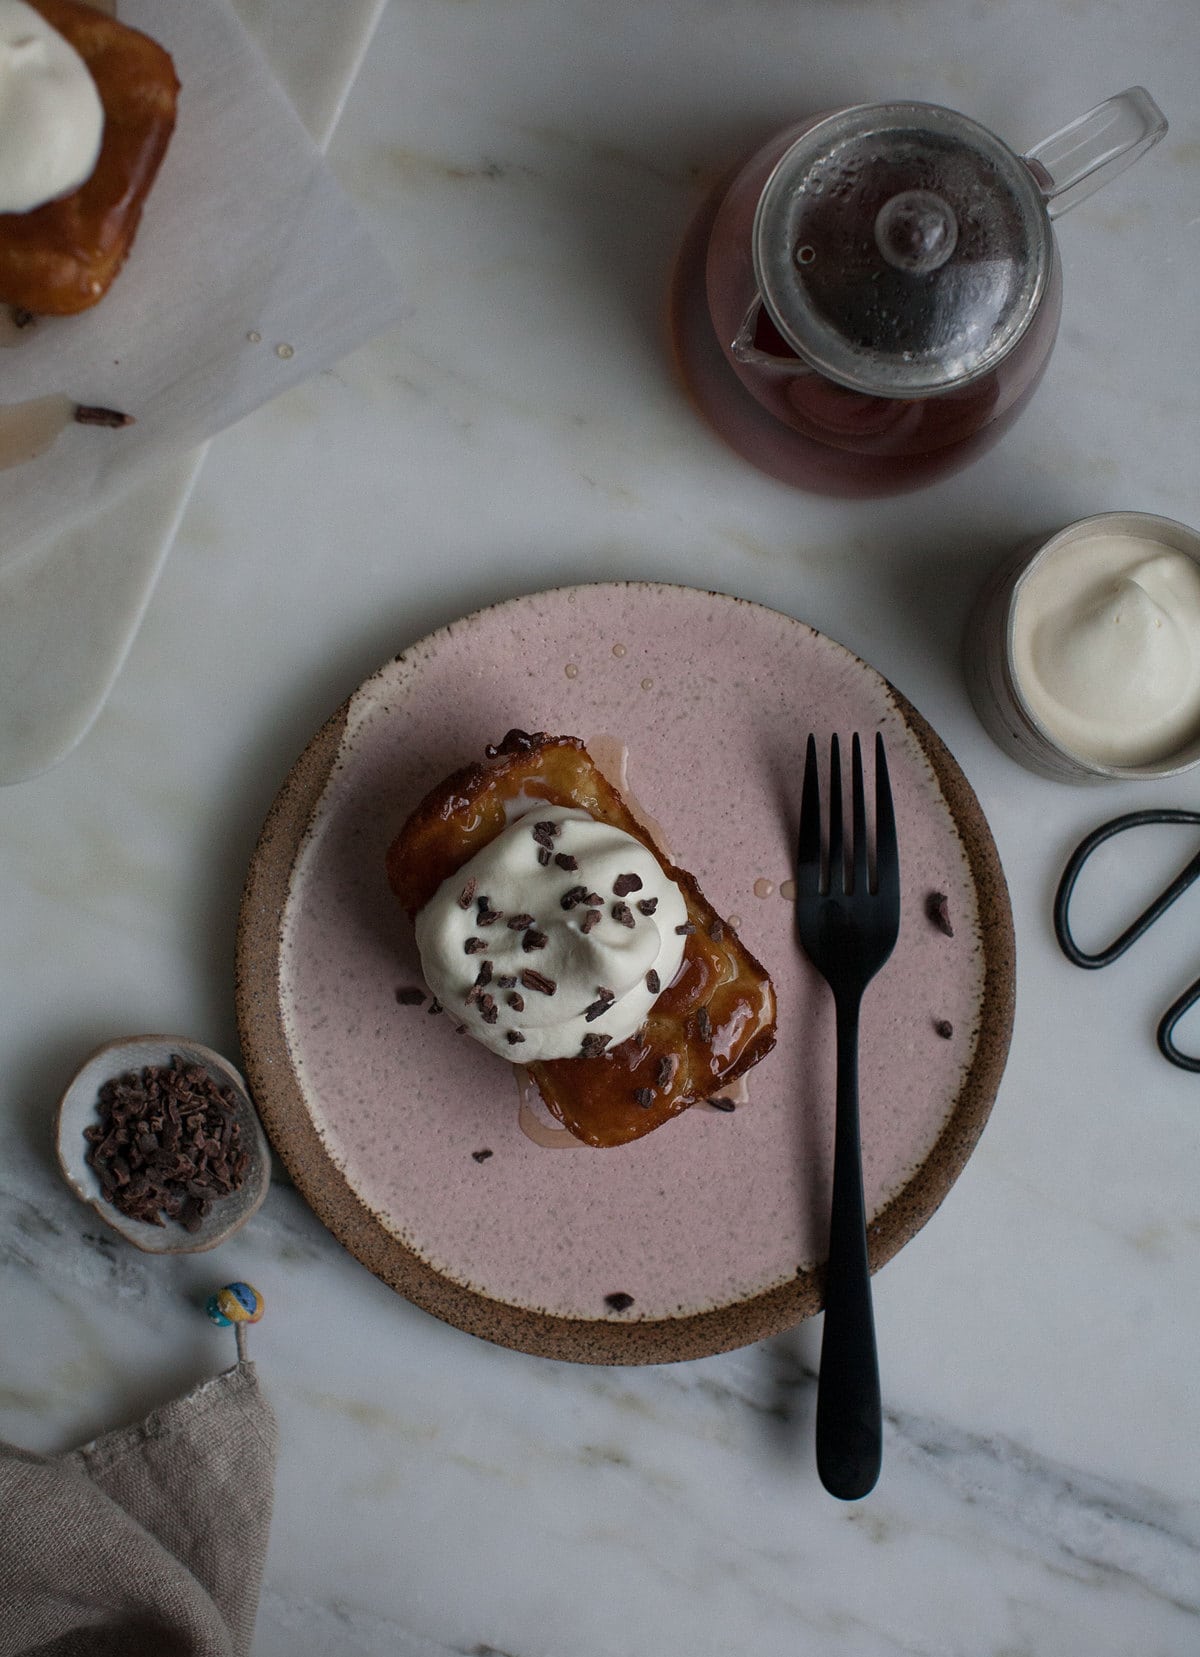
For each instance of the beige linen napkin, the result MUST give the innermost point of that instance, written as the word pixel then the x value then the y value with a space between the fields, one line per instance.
pixel 148 1542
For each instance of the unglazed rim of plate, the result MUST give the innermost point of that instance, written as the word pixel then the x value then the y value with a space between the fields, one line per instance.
pixel 290 1127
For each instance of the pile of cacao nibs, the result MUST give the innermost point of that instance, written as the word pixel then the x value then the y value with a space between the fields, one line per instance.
pixel 168 1143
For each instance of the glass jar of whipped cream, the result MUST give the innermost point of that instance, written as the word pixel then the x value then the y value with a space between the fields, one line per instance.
pixel 1083 658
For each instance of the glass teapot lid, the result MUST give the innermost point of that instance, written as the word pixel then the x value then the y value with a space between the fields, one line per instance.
pixel 901 249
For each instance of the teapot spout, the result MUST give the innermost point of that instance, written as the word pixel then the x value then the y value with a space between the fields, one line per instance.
pixel 746 350
pixel 1084 156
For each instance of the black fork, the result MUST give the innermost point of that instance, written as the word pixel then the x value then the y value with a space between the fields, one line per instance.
pixel 848 929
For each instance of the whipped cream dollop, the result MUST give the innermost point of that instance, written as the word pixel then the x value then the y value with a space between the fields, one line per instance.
pixel 51 117
pixel 556 939
pixel 1107 648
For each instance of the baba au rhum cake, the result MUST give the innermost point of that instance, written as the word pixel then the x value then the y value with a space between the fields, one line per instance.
pixel 61 255
pixel 564 941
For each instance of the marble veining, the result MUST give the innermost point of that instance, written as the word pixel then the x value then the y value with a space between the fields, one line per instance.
pixel 694 1442
pixel 528 171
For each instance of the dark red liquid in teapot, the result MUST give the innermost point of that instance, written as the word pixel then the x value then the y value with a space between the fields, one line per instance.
pixel 802 428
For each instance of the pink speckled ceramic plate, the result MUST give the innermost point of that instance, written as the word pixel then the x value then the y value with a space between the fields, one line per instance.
pixel 715 1223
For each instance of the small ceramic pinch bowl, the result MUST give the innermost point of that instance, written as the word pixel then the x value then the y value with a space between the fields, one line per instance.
pixel 78 1109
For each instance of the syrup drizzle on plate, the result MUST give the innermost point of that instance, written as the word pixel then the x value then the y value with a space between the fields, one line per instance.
pixel 28 429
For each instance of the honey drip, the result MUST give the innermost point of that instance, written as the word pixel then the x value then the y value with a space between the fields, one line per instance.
pixel 738 1091
pixel 612 761
pixel 28 429
pixel 535 1121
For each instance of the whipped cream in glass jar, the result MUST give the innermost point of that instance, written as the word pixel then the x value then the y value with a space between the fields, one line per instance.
pixel 1083 659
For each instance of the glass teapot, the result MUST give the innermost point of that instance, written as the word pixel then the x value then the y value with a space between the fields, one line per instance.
pixel 871 300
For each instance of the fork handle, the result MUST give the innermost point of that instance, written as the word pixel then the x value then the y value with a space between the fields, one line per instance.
pixel 849 1416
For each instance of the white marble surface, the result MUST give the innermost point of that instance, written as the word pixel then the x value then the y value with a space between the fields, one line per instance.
pixel 530 168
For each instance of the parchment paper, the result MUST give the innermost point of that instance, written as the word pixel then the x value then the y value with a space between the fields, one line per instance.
pixel 246 232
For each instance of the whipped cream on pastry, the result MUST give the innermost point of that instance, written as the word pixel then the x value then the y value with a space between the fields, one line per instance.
pixel 51 117
pixel 555 939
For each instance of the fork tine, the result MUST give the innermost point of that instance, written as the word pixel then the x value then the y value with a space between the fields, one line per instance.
pixel 808 853
pixel 837 857
pixel 887 860
pixel 859 876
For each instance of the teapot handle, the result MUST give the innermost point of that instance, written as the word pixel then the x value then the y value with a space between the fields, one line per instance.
pixel 1083 156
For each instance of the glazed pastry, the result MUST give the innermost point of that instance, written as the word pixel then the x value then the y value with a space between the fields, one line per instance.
pixel 558 935
pixel 61 257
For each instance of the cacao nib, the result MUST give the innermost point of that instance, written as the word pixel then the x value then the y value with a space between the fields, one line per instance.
pixel 88 414
pixel 515 742
pixel 600 1006
pixel 937 907
pixel 167 1143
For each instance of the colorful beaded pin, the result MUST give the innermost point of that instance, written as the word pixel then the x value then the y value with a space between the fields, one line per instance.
pixel 238 1304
